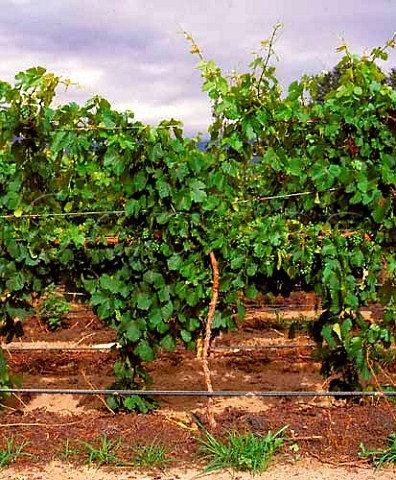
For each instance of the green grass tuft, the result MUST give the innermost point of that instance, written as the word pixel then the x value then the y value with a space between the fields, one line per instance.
pixel 382 456
pixel 249 452
pixel 67 451
pixel 152 455
pixel 103 452
pixel 12 451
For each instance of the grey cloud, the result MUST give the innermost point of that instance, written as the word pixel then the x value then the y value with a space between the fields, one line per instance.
pixel 68 37
pixel 141 57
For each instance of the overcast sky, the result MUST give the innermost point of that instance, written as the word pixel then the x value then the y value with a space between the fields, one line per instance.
pixel 133 53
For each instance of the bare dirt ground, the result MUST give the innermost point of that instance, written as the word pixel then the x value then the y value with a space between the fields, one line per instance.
pixel 328 432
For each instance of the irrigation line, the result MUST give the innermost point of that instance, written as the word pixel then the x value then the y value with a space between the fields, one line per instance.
pixel 264 347
pixel 56 349
pixel 251 308
pixel 106 347
pixel 193 393
pixel 296 306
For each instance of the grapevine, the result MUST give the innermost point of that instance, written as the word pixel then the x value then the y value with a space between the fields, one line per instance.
pixel 293 191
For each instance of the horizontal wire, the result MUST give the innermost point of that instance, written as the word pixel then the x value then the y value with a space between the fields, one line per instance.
pixel 65 214
pixel 102 128
pixel 193 393
pixel 140 126
pixel 92 348
pixel 304 307
pixel 289 195
pixel 264 347
pixel 110 129
pixel 123 212
pixel 109 346
pixel 252 307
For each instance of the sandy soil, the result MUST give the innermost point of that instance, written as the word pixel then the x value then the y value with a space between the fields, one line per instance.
pixel 303 470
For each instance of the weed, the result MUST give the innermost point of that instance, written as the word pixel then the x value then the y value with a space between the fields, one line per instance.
pixel 53 310
pixel 381 456
pixel 300 326
pixel 294 449
pixel 152 455
pixel 67 451
pixel 12 451
pixel 105 452
pixel 250 452
pixel 6 381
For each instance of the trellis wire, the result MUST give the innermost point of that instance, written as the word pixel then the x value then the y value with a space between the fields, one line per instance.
pixel 55 349
pixel 95 348
pixel 263 347
pixel 122 212
pixel 272 308
pixel 65 214
pixel 194 393
pixel 93 128
pixel 138 125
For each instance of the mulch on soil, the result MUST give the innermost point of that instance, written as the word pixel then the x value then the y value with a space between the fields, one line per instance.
pixel 329 434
